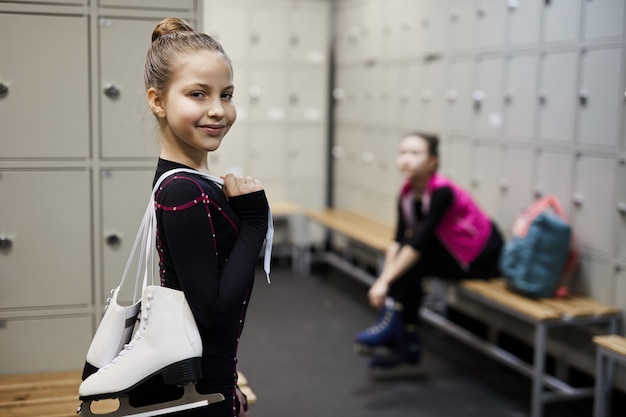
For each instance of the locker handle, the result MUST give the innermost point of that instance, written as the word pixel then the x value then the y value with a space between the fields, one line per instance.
pixel 255 92
pixel 583 97
pixel 513 4
pixel 547 2
pixel 5 242
pixel 113 239
pixel 538 193
pixel 4 89
pixel 452 95
pixel 578 200
pixel 504 184
pixel 337 152
pixel 110 90
pixel 621 207
pixel 541 93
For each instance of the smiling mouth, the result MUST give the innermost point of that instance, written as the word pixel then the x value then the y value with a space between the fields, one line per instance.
pixel 212 129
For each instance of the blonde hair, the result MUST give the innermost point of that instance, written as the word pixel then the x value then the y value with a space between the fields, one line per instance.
pixel 171 38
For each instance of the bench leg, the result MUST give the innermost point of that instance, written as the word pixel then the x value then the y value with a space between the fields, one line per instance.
pixel 600 395
pixel 538 371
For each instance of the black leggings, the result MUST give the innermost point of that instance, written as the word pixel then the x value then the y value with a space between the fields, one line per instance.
pixel 436 261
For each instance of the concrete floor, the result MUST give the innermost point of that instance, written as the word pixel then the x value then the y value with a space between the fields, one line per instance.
pixel 296 351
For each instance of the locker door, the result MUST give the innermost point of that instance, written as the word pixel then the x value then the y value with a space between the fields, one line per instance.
pixel 488 96
pixel 388 94
pixel 520 98
pixel 263 161
pixel 486 176
pixel 125 195
pixel 553 176
pixel 601 97
pixel 490 24
pixel 595 280
pixel 557 96
pixel 128 126
pixel 309 25
pixel 621 210
pixel 268 37
pixel 456 161
pixel 306 164
pixel 619 286
pixel 44 344
pixel 228 23
pixel 343 155
pixel 307 93
pixel 149 4
pixel 593 212
pixel 604 20
pixel 524 22
pixel 516 185
pixel 459 94
pixel 435 25
pixel 348 33
pixel 45 229
pixel 373 17
pixel 37 132
pixel 432 94
pixel 462 17
pixel 412 115
pixel 561 19
pixel 268 94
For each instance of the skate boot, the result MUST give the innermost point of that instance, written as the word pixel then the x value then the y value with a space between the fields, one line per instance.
pixel 166 343
pixel 404 360
pixel 385 335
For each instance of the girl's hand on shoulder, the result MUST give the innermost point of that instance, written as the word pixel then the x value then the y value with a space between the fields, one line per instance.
pixel 235 185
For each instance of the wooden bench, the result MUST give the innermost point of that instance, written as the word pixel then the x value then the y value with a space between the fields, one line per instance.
pixel 542 314
pixel 55 394
pixel 610 350
pixel 360 231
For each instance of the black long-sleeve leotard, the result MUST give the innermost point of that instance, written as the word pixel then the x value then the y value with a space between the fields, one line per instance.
pixel 208 247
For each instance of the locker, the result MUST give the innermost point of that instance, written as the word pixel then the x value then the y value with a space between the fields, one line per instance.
pixel 228 24
pixel 305 152
pixel 462 18
pixel 32 96
pixel 488 95
pixel 373 13
pixel 603 20
pixel 309 28
pixel 348 33
pixel 593 211
pixel 71 2
pixel 128 127
pixel 307 93
pixel 388 94
pixel 557 96
pixel 125 194
pixel 182 5
pixel 308 193
pixel 343 94
pixel 459 94
pixel 600 97
pixel 595 280
pixel 431 96
pixel 490 24
pixel 553 176
pixel 619 286
pixel 520 98
pixel 485 177
pixel 400 27
pixel 268 38
pixel 241 96
pixel 561 21
pixel 516 186
pixel 524 23
pixel 262 144
pixel 412 116
pixel 455 160
pixel 268 94
pixel 45 231
pixel 620 209
pixel 435 26
pixel 44 344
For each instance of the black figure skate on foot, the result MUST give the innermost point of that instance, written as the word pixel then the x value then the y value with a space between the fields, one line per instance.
pixel 404 360
pixel 384 336
pixel 166 345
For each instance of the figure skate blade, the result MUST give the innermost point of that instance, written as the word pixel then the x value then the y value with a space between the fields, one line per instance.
pixel 191 399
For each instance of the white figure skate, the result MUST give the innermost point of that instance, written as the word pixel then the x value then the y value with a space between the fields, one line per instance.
pixel 166 343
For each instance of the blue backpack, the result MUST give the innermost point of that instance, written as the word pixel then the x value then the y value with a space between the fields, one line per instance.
pixel 539 253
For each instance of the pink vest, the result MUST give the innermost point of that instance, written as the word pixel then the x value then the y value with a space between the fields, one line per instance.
pixel 464 229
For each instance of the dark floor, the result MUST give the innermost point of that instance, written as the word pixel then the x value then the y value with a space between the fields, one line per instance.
pixel 296 352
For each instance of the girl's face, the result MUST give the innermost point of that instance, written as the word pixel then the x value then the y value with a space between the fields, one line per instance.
pixel 414 161
pixel 197 109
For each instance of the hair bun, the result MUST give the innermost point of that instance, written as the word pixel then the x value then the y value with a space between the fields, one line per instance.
pixel 170 25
